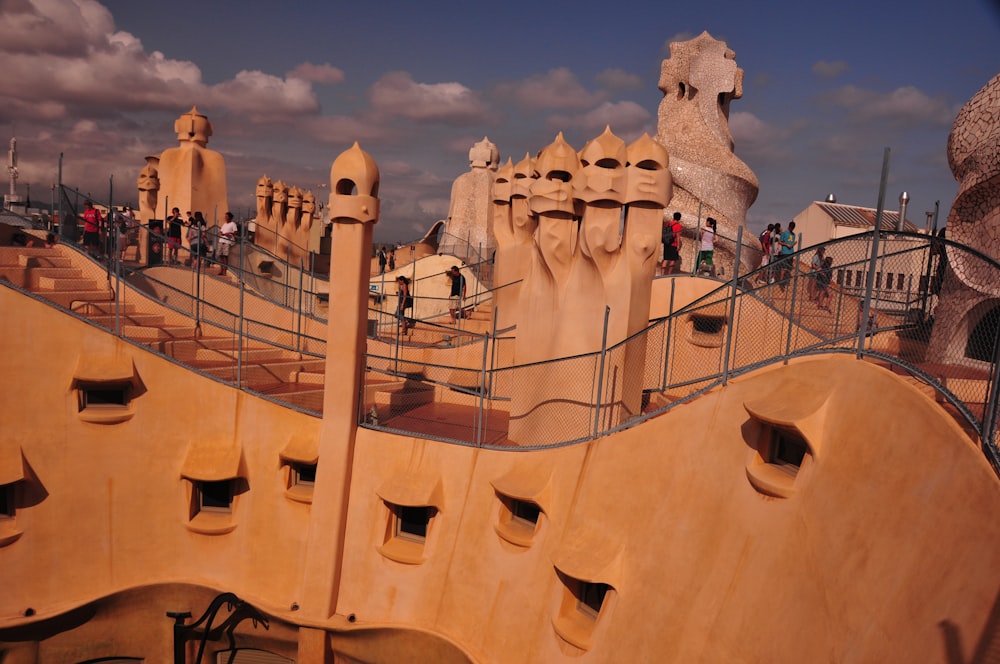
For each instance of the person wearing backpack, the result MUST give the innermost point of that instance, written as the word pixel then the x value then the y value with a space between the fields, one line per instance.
pixel 671 237
pixel 765 248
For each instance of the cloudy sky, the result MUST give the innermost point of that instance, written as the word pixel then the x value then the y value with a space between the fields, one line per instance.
pixel 288 86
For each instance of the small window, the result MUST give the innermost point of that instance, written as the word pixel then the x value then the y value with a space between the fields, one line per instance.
pixel 786 450
pixel 6 501
pixel 525 513
pixel 708 324
pixel 406 533
pixel 103 395
pixel 899 281
pixel 706 331
pixel 518 520
pixel 840 277
pixel 888 280
pixel 580 610
pixel 591 598
pixel 410 523
pixel 303 474
pixel 215 496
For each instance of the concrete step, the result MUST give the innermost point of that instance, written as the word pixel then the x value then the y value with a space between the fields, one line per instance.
pixel 69 298
pixel 130 319
pixel 71 283
pixel 40 260
pixel 404 396
pixel 250 355
pixel 254 376
pixel 145 334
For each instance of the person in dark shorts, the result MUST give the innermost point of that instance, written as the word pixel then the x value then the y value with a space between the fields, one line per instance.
pixel 672 244
pixel 92 222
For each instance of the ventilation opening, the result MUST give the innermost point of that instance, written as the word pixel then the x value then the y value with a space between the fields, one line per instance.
pixel 104 395
pixel 406 534
pixel 979 345
pixel 214 496
pixel 302 474
pixel 518 522
pixel 410 523
pixel 583 604
pixel 787 451
pixel 6 501
pixel 707 330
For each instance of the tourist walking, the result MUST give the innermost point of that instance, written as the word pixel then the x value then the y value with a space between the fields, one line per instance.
pixel 227 238
pixel 671 238
pixel 457 292
pixel 404 301
pixel 707 252
pixel 175 228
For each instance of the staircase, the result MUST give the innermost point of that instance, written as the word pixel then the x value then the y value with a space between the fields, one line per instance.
pixel 80 285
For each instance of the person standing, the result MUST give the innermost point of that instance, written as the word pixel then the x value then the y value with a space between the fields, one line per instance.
pixel 175 231
pixel 227 238
pixel 196 238
pixel 382 260
pixel 126 222
pixel 392 260
pixel 92 223
pixel 671 237
pixel 814 268
pixel 457 292
pixel 707 251
pixel 773 264
pixel 765 249
pixel 404 302
pixel 787 243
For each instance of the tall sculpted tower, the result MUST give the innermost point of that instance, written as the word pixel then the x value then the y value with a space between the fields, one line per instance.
pixel 470 215
pixel 354 211
pixel 699 80
pixel 192 177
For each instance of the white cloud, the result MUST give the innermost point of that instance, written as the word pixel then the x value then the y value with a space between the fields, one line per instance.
pixel 325 74
pixel 905 105
pixel 396 93
pixel 557 89
pixel 618 80
pixel 264 96
pixel 826 69
pixel 627 120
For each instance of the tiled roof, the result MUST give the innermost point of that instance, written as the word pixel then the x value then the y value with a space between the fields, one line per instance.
pixel 862 217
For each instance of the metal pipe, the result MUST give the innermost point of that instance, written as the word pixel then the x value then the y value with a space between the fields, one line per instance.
pixel 600 372
pixel 872 260
pixel 732 308
pixel 904 199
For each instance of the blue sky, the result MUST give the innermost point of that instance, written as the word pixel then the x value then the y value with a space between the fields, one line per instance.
pixel 288 86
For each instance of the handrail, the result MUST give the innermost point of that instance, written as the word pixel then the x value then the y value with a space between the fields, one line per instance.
pixel 904 295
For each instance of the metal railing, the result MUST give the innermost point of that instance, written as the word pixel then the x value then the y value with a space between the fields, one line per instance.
pixel 877 301
pixel 895 298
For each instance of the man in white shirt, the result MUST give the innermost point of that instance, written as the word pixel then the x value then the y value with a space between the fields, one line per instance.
pixel 227 238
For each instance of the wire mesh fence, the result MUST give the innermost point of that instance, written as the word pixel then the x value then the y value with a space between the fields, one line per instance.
pixel 919 304
pixel 880 298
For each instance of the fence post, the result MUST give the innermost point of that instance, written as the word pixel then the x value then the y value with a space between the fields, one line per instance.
pixel 481 410
pixel 666 342
pixel 872 260
pixel 791 308
pixel 298 321
pixel 989 425
pixel 600 371
pixel 732 306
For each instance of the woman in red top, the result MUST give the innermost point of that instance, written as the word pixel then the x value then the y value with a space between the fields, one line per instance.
pixel 92 222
